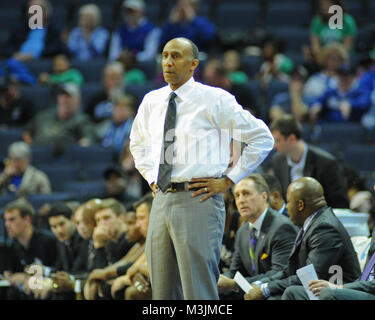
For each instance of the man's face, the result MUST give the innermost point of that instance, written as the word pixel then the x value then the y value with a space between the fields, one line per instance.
pixel 62 227
pixel 177 63
pixel 15 224
pixel 133 233
pixel 250 203
pixel 113 79
pixel 142 212
pixel 19 165
pixel 67 105
pixel 292 206
pixel 84 228
pixel 106 217
pixel 282 143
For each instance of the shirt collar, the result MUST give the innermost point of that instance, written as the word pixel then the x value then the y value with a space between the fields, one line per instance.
pixel 308 221
pixel 298 164
pixel 282 208
pixel 183 91
pixel 258 223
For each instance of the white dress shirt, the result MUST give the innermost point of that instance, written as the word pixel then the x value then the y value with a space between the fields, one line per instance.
pixel 207 119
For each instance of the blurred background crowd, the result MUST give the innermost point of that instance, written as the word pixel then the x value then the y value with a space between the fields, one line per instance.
pixel 69 93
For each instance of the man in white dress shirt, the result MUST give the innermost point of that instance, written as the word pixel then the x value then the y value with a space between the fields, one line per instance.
pixel 183 141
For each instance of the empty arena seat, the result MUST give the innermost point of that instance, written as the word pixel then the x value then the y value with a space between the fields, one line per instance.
pixel 92 70
pixel 59 174
pixel 39 95
pixel 37 200
pixel 287 14
pixel 360 157
pixel 85 189
pixel 85 155
pixel 237 15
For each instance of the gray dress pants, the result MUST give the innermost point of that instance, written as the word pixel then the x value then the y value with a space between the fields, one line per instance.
pixel 183 246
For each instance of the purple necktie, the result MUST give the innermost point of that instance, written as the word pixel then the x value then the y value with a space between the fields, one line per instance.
pixel 368 269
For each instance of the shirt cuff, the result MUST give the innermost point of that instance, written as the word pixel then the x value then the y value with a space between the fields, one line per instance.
pixel 47 271
pixel 265 290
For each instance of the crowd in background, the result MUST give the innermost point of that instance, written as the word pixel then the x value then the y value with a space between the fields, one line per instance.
pixel 329 79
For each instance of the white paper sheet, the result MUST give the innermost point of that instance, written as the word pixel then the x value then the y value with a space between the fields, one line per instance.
pixel 306 274
pixel 242 282
pixel 4 283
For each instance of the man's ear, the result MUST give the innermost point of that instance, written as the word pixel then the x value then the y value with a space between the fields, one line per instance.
pixel 300 205
pixel 194 64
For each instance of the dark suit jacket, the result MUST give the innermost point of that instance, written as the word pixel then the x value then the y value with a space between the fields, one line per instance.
pixel 275 242
pixel 325 243
pixel 322 166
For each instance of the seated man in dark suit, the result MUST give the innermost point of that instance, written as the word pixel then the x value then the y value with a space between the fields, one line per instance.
pixel 322 241
pixel 276 194
pixel 30 246
pixel 362 289
pixel 263 242
pixel 296 159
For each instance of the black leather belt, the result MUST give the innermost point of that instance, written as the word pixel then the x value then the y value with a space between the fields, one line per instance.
pixel 180 186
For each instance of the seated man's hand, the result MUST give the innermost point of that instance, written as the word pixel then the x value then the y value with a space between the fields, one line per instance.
pixel 98 274
pixel 254 294
pixel 140 282
pixel 225 284
pixel 100 236
pixel 119 283
pixel 316 286
pixel 16 279
pixel 62 282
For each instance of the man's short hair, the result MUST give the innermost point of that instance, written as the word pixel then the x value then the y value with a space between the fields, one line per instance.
pixel 147 199
pixel 287 125
pixel 111 203
pixel 273 183
pixel 24 207
pixel 20 150
pixel 260 184
pixel 60 209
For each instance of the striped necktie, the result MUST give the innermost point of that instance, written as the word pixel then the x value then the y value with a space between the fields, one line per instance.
pixel 165 167
pixel 369 267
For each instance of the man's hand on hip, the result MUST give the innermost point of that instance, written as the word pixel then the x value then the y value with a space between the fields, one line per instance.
pixel 210 186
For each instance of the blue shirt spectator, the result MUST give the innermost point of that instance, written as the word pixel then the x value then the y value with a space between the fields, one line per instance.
pixel 183 22
pixel 348 102
pixel 135 34
pixel 368 83
pixel 34 43
pixel 88 40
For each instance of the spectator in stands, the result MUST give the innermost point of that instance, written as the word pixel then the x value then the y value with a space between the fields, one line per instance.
pixel 348 102
pixel 321 34
pixel 331 58
pixel 322 241
pixel 136 280
pixel 117 134
pixel 271 235
pixel 137 186
pixel 29 246
pixel 133 75
pixel 276 198
pixel 36 43
pixel 135 233
pixel 115 183
pixel 367 81
pixel 275 66
pixel 62 72
pixel 63 125
pixel 109 239
pixel 15 110
pixel 135 34
pixel 294 101
pixel 19 176
pixel 232 65
pixel 296 159
pixel 183 21
pixel 360 197
pixel 215 75
pixel 99 106
pixel 89 40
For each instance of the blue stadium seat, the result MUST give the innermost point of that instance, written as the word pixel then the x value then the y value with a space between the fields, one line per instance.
pixel 7 137
pixel 361 157
pixel 237 15
pixel 85 189
pixel 139 90
pixel 88 90
pixel 251 64
pixel 9 18
pixel 42 155
pixel 89 155
pixel 38 66
pixel 275 87
pixel 148 67
pixel 92 70
pixel 341 133
pixel 39 95
pixel 95 171
pixel 37 200
pixel 288 14
pixel 5 199
pixel 59 174
pixel 293 36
